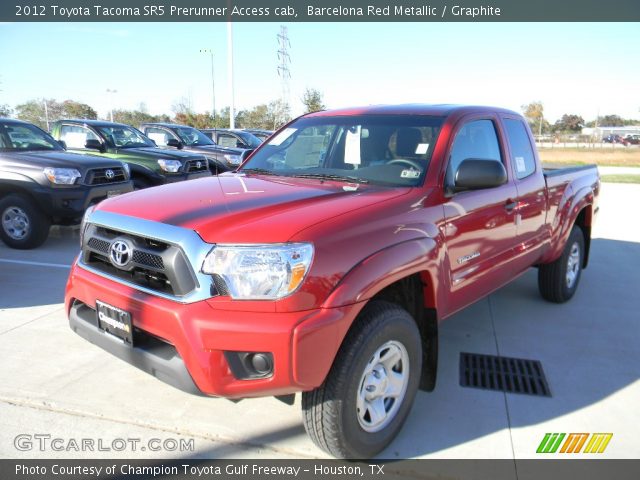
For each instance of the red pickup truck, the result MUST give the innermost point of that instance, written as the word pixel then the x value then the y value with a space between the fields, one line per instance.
pixel 325 263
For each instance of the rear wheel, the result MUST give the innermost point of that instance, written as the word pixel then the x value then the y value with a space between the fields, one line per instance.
pixel 22 224
pixel 368 394
pixel 558 281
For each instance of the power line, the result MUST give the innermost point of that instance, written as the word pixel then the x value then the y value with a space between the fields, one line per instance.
pixel 284 60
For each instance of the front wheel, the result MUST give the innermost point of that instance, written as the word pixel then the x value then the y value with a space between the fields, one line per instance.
pixel 22 224
pixel 367 396
pixel 558 281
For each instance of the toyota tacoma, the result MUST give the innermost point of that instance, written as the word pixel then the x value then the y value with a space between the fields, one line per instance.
pixel 325 264
pixel 150 165
pixel 42 185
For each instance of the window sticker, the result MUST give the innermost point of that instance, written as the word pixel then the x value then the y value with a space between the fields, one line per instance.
pixel 352 146
pixel 410 173
pixel 520 166
pixel 75 139
pixel 159 138
pixel 282 136
pixel 422 148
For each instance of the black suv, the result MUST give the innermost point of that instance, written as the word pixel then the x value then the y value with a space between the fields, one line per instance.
pixel 41 184
pixel 172 135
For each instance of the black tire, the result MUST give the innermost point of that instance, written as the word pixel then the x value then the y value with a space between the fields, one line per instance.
pixel 32 227
pixel 330 412
pixel 554 278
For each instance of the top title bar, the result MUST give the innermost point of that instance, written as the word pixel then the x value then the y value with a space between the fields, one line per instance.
pixel 319 11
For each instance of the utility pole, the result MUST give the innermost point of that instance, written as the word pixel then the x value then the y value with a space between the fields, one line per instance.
pixel 232 107
pixel 284 60
pixel 46 113
pixel 213 85
pixel 113 92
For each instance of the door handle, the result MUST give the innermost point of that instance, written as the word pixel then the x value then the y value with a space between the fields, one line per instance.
pixel 510 205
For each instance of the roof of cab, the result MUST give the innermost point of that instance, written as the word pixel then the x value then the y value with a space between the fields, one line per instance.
pixel 412 109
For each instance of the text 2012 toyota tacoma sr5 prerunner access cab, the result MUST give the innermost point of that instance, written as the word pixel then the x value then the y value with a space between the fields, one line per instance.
pixel 325 264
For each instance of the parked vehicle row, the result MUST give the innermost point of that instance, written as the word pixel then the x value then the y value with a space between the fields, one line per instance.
pixel 42 185
pixel 157 154
pixel 629 139
pixel 326 262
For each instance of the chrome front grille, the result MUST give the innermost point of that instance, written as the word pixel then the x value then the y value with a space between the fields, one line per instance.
pixel 102 176
pixel 166 260
pixel 193 166
pixel 151 264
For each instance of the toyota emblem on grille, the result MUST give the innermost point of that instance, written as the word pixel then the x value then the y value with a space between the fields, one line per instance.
pixel 198 164
pixel 119 253
pixel 109 174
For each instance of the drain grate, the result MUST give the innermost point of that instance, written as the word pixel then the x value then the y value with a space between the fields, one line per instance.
pixel 511 375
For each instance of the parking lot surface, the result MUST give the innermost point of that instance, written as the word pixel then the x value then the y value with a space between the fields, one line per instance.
pixel 54 383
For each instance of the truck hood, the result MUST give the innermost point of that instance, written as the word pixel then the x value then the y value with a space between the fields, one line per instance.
pixel 235 208
pixel 60 159
pixel 204 149
pixel 156 152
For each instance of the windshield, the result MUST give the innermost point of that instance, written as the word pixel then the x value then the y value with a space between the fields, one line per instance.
pixel 19 137
pixel 250 139
pixel 392 150
pixel 121 136
pixel 192 137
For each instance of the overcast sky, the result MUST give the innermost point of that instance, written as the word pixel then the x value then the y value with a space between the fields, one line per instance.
pixel 582 68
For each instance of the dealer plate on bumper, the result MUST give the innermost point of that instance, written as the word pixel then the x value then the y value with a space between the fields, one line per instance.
pixel 115 321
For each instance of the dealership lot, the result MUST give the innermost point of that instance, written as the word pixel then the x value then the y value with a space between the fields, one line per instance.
pixel 55 383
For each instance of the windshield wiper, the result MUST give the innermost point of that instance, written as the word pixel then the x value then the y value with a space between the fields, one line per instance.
pixel 331 176
pixel 261 171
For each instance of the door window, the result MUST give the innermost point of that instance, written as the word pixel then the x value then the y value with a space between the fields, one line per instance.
pixel 226 140
pixel 75 136
pixel 476 139
pixel 521 150
pixel 158 135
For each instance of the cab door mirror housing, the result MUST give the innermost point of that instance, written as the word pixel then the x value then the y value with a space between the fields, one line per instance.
pixel 172 142
pixel 94 144
pixel 477 174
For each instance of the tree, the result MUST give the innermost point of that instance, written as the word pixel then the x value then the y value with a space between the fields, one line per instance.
pixel 611 121
pixel 569 123
pixel 33 111
pixel 137 117
pixel 5 110
pixel 196 120
pixel 73 109
pixel 534 113
pixel 312 100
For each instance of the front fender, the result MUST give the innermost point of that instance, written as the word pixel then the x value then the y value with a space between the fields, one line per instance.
pixel 383 268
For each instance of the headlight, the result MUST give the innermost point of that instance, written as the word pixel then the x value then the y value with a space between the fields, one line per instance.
pixel 233 159
pixel 171 166
pixel 127 170
pixel 62 176
pixel 83 224
pixel 260 272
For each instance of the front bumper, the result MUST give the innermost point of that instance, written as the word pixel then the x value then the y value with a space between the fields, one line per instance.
pixel 67 205
pixel 184 345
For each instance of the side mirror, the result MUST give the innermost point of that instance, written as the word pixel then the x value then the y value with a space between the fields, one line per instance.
pixel 172 142
pixel 94 144
pixel 476 174
pixel 63 144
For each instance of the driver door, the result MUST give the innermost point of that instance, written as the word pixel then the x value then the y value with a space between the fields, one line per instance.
pixel 480 228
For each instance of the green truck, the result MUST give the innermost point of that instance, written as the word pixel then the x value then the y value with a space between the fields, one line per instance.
pixel 149 165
